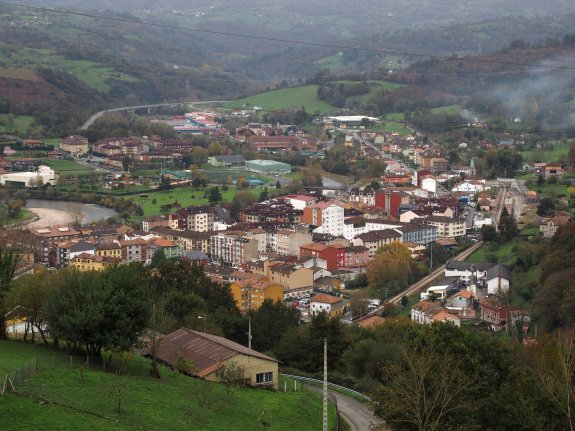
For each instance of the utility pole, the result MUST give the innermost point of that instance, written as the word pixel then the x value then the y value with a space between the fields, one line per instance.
pixel 250 317
pixel 325 384
pixel 250 330
pixel 431 257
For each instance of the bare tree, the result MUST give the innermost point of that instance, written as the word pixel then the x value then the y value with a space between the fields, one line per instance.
pixel 75 217
pixel 555 369
pixel 424 391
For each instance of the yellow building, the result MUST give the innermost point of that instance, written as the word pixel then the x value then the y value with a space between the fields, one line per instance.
pixel 109 249
pixel 89 262
pixel 251 293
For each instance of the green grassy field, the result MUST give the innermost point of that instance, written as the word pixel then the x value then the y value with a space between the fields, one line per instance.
pixel 393 124
pixel 450 109
pixel 503 252
pixel 57 397
pixel 15 123
pixel 67 167
pixel 183 196
pixel 559 152
pixel 22 62
pixel 286 98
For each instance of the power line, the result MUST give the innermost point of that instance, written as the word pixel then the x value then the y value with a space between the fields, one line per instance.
pixel 282 40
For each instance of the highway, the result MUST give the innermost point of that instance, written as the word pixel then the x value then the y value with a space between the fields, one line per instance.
pixel 421 284
pixel 97 115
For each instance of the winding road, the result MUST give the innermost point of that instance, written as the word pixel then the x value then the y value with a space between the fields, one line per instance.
pixel 97 115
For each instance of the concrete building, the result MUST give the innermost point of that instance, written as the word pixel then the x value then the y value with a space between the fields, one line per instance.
pixel 267 167
pixel 448 227
pixel 43 175
pixel 233 248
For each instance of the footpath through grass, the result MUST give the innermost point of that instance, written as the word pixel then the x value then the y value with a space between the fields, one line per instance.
pixel 61 397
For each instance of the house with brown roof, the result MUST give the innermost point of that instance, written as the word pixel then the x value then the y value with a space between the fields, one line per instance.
pixel 332 305
pixel 202 355
pixel 427 312
pixel 372 322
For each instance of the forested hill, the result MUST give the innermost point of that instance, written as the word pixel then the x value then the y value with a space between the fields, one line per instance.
pixel 61 68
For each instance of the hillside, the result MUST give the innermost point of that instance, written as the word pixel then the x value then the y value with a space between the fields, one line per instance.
pixel 61 397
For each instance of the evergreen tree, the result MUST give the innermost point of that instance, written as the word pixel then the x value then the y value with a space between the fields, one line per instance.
pixel 507 226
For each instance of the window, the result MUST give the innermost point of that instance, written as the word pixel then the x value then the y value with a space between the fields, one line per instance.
pixel 263 378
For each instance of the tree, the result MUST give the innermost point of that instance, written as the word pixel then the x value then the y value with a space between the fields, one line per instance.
pixel 242 183
pixel 214 195
pixel 27 298
pixel 14 207
pixel 390 270
pixel 8 260
pixel 229 374
pixel 424 392
pixel 94 310
pixel 76 217
pixel 488 233
pixel 270 322
pixel 165 183
pixel 240 201
pixel 264 195
pixel 126 163
pixel 507 225
pixel 546 206
pixel 554 367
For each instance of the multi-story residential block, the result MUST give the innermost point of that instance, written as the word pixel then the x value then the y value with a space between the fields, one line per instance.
pixel 364 195
pixel 233 248
pixel 186 240
pixel 250 293
pixel 199 219
pixel 376 239
pixel 448 227
pixel 418 233
pixel 69 249
pixel 329 216
pixel 169 248
pixel 109 249
pixel 155 221
pixel 134 250
pixel 288 242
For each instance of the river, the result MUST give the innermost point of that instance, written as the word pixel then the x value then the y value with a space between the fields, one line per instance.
pixel 53 213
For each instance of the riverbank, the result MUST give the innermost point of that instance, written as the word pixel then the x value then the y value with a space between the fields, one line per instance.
pixel 57 213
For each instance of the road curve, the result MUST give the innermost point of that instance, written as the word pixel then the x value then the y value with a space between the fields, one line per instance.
pixel 97 115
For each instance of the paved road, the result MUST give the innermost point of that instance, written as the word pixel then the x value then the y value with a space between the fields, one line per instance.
pixel 359 414
pixel 97 115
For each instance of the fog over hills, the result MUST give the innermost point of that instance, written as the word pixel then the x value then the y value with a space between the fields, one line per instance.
pixel 322 19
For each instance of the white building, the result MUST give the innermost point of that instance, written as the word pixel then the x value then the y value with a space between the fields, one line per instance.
pixel 43 175
pixel 429 184
pixel 497 279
